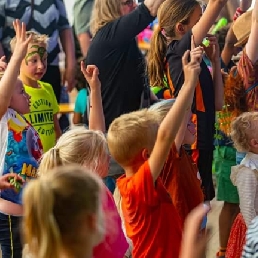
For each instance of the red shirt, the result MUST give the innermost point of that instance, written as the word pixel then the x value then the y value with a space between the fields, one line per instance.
pixel 181 178
pixel 150 217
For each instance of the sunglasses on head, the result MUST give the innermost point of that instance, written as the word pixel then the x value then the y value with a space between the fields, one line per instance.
pixel 128 3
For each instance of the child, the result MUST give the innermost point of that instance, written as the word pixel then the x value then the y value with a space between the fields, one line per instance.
pixel 44 106
pixel 245 178
pixel 178 21
pixel 57 224
pixel 141 146
pixel 179 175
pixel 20 145
pixel 89 149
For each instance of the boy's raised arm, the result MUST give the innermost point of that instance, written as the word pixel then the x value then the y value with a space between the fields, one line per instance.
pixel 170 125
pixel 8 82
pixel 96 116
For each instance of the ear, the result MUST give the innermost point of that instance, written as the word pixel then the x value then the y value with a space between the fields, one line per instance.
pixel 180 29
pixel 145 154
pixel 254 143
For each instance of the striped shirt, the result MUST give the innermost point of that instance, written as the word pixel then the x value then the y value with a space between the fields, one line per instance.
pixel 251 247
pixel 49 17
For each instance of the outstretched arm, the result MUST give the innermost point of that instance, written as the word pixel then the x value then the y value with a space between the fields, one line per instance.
pixel 96 117
pixel 212 11
pixel 8 82
pixel 251 45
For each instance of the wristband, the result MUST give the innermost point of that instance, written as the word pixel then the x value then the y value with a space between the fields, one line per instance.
pixel 238 13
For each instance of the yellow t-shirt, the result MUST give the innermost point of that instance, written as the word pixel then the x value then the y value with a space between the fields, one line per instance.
pixel 43 106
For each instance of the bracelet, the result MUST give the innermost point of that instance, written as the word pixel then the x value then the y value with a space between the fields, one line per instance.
pixel 238 13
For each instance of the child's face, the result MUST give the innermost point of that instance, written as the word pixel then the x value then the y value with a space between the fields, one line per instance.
pixel 190 133
pixel 20 100
pixel 193 19
pixel 34 65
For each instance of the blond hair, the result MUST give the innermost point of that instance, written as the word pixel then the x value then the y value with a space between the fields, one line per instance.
pixel 243 130
pixel 131 133
pixel 103 12
pixel 54 207
pixel 161 108
pixel 78 145
pixel 170 13
pixel 36 38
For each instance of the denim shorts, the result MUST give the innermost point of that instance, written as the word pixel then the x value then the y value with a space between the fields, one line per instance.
pixel 10 239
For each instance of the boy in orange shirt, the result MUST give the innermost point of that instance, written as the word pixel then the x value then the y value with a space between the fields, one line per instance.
pixel 141 146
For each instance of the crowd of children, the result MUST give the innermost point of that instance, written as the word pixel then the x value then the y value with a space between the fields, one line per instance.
pixel 53 184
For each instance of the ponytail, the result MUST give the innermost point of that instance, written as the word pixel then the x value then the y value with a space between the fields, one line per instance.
pixel 50 160
pixel 156 58
pixel 41 231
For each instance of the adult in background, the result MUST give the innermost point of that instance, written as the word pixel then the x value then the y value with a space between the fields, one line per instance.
pixel 114 50
pixel 45 17
pixel 82 14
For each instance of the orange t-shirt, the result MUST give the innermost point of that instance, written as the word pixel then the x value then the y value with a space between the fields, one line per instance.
pixel 151 221
pixel 181 178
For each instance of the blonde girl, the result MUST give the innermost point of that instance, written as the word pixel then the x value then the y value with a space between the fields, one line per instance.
pixel 63 216
pixel 245 178
pixel 179 20
pixel 88 148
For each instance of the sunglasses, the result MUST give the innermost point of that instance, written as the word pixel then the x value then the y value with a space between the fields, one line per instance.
pixel 128 3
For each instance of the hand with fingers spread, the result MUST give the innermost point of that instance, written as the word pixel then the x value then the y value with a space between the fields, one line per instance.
pixel 3 64
pixel 5 180
pixel 22 40
pixel 91 74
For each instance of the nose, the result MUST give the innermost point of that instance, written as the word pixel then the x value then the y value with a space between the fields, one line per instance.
pixel 40 64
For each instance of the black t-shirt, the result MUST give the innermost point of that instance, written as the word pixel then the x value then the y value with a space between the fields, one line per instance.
pixel 115 52
pixel 204 99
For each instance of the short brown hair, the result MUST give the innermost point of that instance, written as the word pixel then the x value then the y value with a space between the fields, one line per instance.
pixel 36 39
pixel 131 133
pixel 243 129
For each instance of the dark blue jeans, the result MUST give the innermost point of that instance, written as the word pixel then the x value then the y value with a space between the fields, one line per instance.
pixel 10 239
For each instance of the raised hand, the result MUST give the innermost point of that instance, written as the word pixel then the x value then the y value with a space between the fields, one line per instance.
pixel 21 39
pixel 212 50
pixel 91 74
pixel 3 64
pixel 191 68
pixel 196 53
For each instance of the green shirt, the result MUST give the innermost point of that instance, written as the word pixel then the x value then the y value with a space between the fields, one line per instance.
pixel 42 109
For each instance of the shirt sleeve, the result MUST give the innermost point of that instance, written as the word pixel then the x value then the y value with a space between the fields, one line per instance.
pixel 246 186
pixel 247 70
pixel 82 14
pixel 55 105
pixel 63 22
pixel 142 186
pixel 2 17
pixel 81 102
pixel 127 27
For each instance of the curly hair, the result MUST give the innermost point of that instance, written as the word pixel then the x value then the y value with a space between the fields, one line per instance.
pixel 244 129
pixel 235 102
